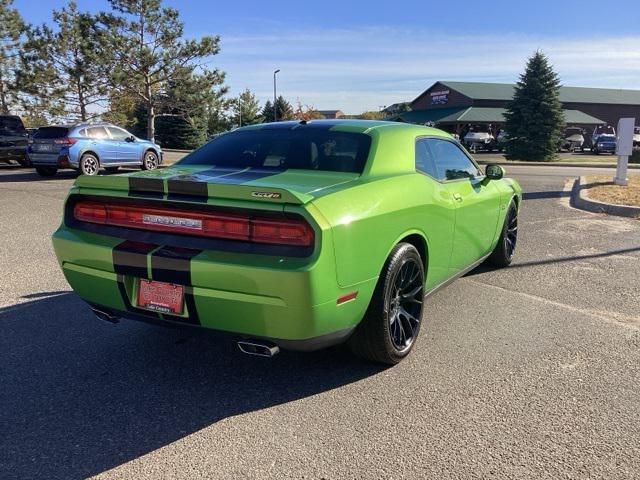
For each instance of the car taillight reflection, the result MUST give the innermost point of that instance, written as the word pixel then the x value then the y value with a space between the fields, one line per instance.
pixel 296 232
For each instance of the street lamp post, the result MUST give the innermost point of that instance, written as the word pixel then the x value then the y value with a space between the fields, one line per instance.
pixel 275 110
pixel 240 109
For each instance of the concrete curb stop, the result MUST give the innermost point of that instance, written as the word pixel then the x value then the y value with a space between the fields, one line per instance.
pixel 580 199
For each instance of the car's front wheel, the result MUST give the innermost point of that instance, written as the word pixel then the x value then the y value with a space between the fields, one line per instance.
pixel 150 161
pixel 392 322
pixel 502 254
pixel 89 164
pixel 46 171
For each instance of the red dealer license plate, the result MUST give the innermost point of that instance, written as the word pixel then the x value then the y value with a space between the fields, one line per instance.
pixel 160 297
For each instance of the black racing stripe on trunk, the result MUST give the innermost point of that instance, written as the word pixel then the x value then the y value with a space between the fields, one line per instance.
pixel 196 191
pixel 129 307
pixel 130 258
pixel 173 265
pixel 146 187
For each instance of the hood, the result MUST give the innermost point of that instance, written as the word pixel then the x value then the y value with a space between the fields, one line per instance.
pixel 197 182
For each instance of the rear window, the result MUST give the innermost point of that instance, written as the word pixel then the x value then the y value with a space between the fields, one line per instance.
pixel 303 148
pixel 11 125
pixel 51 132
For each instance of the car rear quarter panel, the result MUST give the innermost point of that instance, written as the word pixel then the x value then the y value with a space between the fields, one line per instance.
pixel 369 219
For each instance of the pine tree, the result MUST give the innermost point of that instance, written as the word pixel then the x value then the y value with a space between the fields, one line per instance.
pixel 246 109
pixel 62 66
pixel 534 116
pixel 284 109
pixel 267 112
pixel 147 48
pixel 11 29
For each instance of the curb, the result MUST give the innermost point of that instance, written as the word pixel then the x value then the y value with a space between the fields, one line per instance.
pixel 582 201
pixel 631 166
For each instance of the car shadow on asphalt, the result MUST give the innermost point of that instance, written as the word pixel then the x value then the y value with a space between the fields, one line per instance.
pixel 80 396
pixel 26 175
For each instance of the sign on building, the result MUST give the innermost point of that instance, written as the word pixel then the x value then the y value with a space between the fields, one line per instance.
pixel 441 97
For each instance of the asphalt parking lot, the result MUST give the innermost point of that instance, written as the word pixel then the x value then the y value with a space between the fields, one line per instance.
pixel 528 372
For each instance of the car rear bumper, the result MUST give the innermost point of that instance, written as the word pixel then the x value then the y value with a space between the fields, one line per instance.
pixel 283 300
pixel 50 160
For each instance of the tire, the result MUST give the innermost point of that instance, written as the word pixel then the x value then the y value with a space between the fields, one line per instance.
pixel 111 169
pixel 46 171
pixel 24 162
pixel 150 160
pixel 502 254
pixel 89 164
pixel 379 336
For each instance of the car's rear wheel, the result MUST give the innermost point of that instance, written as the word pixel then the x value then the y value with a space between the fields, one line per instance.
pixel 150 161
pixel 89 164
pixel 392 322
pixel 46 171
pixel 502 254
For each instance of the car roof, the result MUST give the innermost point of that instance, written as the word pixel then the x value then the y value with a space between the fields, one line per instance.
pixel 351 125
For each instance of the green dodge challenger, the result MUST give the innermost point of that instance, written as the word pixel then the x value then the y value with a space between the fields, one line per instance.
pixel 295 235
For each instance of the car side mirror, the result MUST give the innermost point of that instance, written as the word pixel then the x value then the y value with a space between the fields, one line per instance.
pixel 494 172
pixel 130 139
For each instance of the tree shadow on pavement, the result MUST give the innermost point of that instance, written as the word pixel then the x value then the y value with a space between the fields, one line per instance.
pixel 31 176
pixel 80 396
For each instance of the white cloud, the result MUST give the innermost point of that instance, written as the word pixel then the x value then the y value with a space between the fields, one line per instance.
pixel 364 68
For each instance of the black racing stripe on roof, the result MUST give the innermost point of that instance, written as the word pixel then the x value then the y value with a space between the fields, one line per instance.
pixel 146 187
pixel 244 176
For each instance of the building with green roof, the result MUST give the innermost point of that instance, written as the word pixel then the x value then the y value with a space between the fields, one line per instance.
pixel 455 105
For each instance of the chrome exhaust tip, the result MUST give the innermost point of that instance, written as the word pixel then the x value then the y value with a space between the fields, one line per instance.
pixel 258 348
pixel 106 316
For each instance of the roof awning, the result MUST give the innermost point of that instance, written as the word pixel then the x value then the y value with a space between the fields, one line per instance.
pixel 481 115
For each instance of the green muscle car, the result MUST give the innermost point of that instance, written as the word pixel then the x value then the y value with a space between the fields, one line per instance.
pixel 295 235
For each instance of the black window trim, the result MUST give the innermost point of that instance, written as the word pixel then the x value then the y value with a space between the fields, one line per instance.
pixel 479 178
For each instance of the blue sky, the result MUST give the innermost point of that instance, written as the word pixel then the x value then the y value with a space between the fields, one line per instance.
pixel 356 55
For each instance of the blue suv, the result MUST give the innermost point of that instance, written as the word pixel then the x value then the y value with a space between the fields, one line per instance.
pixel 88 148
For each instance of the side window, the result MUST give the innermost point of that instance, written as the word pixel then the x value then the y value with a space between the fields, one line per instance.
pixel 97 133
pixel 424 158
pixel 118 133
pixel 451 162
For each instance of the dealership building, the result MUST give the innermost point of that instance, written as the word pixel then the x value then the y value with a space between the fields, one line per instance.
pixel 453 106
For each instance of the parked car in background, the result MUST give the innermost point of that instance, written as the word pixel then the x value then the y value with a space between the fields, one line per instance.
pixel 601 130
pixel 501 140
pixel 13 140
pixel 89 148
pixel 604 144
pixel 292 235
pixel 636 137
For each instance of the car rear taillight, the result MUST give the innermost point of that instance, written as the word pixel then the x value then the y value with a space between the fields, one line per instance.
pixel 68 141
pixel 251 228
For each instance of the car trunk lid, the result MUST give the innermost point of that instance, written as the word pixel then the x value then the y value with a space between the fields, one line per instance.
pixel 202 183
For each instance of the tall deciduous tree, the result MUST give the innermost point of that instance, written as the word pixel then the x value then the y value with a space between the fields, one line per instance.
pixel 148 50
pixel 11 29
pixel 306 112
pixel 534 116
pixel 64 63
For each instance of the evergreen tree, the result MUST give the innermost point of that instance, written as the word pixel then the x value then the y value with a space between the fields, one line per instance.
pixel 62 66
pixel 11 29
pixel 267 112
pixel 147 49
pixel 284 109
pixel 534 116
pixel 246 109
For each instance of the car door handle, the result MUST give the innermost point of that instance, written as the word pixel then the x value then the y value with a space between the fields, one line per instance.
pixel 457 197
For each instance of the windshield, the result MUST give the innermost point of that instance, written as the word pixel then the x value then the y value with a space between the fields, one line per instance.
pixel 304 148
pixel 51 132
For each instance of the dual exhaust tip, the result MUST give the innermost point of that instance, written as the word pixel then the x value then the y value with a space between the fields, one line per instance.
pixel 258 348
